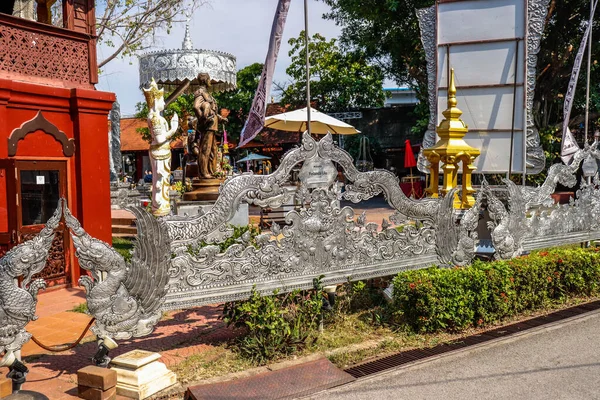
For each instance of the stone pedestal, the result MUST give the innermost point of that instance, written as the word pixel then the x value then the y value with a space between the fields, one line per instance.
pixel 140 375
pixel 204 190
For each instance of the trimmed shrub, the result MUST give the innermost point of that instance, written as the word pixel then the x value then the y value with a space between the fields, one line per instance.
pixel 434 299
pixel 276 325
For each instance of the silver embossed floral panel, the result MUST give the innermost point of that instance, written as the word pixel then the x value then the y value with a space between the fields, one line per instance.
pixel 320 237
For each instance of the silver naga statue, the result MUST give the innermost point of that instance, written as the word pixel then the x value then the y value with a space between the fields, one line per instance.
pixel 124 297
pixel 18 300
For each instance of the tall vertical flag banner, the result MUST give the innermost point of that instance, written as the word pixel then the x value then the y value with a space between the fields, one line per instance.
pixel 569 145
pixel 256 117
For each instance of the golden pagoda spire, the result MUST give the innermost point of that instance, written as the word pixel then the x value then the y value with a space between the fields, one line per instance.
pixel 450 150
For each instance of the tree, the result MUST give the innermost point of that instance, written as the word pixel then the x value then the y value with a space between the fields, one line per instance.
pixel 127 25
pixel 386 31
pixel 339 81
pixel 238 101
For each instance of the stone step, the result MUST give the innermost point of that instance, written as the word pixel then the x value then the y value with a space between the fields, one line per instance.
pixel 122 221
pixel 124 235
pixel 124 229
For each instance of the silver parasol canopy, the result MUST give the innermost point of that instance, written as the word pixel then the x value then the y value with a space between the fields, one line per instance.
pixel 173 68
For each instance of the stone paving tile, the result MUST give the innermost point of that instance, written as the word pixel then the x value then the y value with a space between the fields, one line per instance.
pixel 178 335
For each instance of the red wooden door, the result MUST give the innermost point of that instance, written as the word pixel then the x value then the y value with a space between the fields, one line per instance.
pixel 39 187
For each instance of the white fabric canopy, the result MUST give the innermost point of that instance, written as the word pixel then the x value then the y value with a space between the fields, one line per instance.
pixel 320 123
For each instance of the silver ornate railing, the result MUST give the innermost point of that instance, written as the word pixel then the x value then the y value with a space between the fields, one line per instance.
pixel 170 270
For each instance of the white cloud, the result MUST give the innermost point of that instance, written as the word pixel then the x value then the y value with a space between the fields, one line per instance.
pixel 239 27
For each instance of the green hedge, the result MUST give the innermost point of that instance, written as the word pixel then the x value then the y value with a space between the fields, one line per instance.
pixel 434 299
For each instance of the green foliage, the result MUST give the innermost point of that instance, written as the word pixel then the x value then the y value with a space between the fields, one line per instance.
pixel 385 32
pixel 357 296
pixel 437 299
pixel 80 308
pixel 179 186
pixel 238 231
pixel 123 246
pixel 550 139
pixel 339 81
pixel 276 325
pixel 239 101
pixel 183 106
pixel 422 113
pixel 361 297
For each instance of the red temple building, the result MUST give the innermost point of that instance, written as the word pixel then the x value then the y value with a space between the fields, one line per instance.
pixel 53 128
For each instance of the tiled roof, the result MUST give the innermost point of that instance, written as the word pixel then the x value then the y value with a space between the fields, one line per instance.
pixel 131 139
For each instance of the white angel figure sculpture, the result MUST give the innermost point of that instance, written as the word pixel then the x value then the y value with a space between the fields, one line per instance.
pixel 160 148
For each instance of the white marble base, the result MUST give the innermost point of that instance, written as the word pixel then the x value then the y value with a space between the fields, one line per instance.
pixel 140 375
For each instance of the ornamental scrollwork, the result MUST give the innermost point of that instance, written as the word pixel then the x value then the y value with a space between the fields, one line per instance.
pixel 125 298
pixel 536 19
pixel 18 301
pixel 427 25
pixel 508 225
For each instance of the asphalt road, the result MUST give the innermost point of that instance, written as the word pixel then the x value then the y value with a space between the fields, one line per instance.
pixel 557 362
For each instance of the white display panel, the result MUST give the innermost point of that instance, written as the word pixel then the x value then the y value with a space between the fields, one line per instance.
pixel 491 159
pixel 488 108
pixel 483 42
pixel 475 64
pixel 461 21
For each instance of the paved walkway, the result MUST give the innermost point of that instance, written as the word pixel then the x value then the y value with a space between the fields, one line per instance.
pixel 560 361
pixel 177 336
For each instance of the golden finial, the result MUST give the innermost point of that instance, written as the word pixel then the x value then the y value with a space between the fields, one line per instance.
pixel 452 150
pixel 452 91
pixel 153 93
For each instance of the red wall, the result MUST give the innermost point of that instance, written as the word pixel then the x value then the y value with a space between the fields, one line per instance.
pixel 82 115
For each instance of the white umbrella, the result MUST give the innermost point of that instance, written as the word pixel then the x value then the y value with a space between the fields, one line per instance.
pixel 320 123
pixel 254 157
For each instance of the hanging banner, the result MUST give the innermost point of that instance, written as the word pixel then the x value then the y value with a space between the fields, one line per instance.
pixel 569 145
pixel 256 117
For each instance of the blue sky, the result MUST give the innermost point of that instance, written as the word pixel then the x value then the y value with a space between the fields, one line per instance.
pixel 239 27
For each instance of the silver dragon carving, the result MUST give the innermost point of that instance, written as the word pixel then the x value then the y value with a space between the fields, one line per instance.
pixel 125 298
pixel 508 225
pixel 529 218
pixel 18 301
pixel 320 238
pixel 542 195
pixel 457 232
pixel 427 25
pixel 175 265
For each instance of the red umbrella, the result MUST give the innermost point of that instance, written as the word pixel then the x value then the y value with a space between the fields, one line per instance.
pixel 409 157
pixel 410 162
